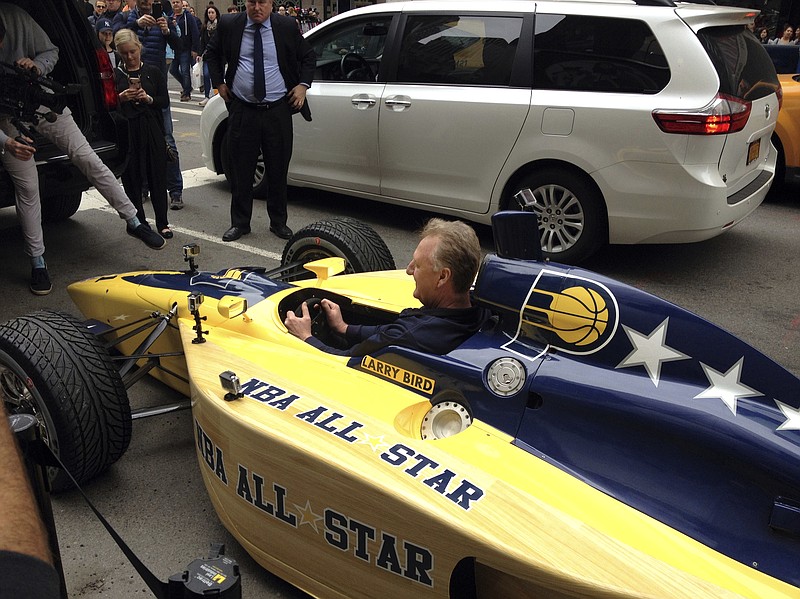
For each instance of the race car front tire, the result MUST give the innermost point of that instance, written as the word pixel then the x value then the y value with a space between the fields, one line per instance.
pixel 356 242
pixel 51 367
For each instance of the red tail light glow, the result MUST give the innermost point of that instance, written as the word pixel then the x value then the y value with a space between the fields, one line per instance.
pixel 724 114
pixel 106 73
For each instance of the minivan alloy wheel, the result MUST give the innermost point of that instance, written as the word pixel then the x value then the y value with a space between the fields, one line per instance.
pixel 569 210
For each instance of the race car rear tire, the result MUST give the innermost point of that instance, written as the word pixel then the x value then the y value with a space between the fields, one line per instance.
pixel 356 242
pixel 51 367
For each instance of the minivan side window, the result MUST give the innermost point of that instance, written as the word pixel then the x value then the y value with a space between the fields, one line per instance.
pixel 460 50
pixel 597 54
pixel 353 51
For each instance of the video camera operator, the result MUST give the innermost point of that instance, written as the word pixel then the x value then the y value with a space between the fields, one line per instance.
pixel 25 44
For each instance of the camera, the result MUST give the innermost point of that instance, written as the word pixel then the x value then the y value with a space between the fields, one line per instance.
pixel 194 301
pixel 22 92
pixel 157 11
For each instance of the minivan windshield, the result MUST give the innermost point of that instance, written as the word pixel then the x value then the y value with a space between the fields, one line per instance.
pixel 745 69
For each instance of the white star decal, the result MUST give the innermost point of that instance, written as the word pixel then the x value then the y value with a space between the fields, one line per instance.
pixel 122 317
pixel 375 442
pixel 792 417
pixel 650 351
pixel 728 386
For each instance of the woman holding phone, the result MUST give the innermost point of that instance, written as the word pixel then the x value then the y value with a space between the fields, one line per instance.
pixel 142 93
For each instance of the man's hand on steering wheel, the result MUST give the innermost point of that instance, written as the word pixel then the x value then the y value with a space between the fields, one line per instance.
pixel 299 326
pixel 316 318
pixel 333 313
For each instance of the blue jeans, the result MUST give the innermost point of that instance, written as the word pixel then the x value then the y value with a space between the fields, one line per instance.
pixel 174 176
pixel 181 69
pixel 206 80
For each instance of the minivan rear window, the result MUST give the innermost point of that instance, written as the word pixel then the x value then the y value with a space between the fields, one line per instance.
pixel 597 54
pixel 745 69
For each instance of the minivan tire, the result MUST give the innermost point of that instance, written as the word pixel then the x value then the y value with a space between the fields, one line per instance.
pixel 572 223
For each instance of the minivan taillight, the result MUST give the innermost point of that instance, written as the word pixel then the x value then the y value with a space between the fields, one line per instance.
pixel 106 73
pixel 724 114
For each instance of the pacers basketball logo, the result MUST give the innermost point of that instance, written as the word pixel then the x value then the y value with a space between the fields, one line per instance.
pixel 573 314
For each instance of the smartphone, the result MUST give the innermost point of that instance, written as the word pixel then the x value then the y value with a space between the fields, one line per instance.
pixel 134 83
pixel 157 11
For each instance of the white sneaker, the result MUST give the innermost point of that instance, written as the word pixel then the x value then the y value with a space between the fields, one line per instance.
pixel 203 102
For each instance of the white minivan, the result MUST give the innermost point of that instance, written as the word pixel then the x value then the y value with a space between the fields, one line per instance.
pixel 616 122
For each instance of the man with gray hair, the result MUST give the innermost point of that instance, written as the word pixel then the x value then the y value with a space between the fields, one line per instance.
pixel 444 266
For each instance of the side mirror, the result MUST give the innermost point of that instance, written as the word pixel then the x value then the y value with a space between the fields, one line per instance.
pixel 231 306
pixel 516 235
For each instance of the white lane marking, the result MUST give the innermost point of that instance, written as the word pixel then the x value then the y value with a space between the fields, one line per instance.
pixel 196 177
pixel 233 244
pixel 187 110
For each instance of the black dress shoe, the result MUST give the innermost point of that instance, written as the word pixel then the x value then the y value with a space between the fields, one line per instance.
pixel 281 231
pixel 235 233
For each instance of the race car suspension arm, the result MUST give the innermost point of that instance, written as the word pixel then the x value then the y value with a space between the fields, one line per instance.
pixel 285 272
pixel 149 324
pixel 161 321
pixel 158 322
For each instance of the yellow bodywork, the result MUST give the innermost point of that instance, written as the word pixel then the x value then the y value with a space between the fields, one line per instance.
pixel 321 473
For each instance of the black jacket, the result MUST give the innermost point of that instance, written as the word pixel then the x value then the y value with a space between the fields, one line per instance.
pixel 190 32
pixel 296 59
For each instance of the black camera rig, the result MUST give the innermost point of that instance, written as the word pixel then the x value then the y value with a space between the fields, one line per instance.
pixel 23 92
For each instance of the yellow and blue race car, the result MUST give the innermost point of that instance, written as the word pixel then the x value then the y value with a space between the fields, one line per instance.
pixel 591 440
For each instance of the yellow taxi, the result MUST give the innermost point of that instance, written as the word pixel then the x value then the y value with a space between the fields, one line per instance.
pixel 786 137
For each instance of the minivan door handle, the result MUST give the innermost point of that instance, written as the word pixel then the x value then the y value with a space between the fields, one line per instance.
pixel 363 101
pixel 398 103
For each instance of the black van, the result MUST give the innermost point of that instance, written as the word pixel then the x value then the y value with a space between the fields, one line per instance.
pixel 81 61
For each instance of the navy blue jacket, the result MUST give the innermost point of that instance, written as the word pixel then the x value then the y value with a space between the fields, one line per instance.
pixel 154 43
pixel 431 330
pixel 190 33
pixel 118 19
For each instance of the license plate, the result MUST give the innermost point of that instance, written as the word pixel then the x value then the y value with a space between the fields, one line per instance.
pixel 753 151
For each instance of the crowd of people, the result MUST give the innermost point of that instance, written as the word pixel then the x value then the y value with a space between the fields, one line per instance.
pixel 147 40
pixel 788 35
pixel 194 32
pixel 24 43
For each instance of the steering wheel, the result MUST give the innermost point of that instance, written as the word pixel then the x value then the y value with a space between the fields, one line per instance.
pixel 319 322
pixel 363 67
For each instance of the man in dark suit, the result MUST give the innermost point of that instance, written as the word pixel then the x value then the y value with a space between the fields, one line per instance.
pixel 260 102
